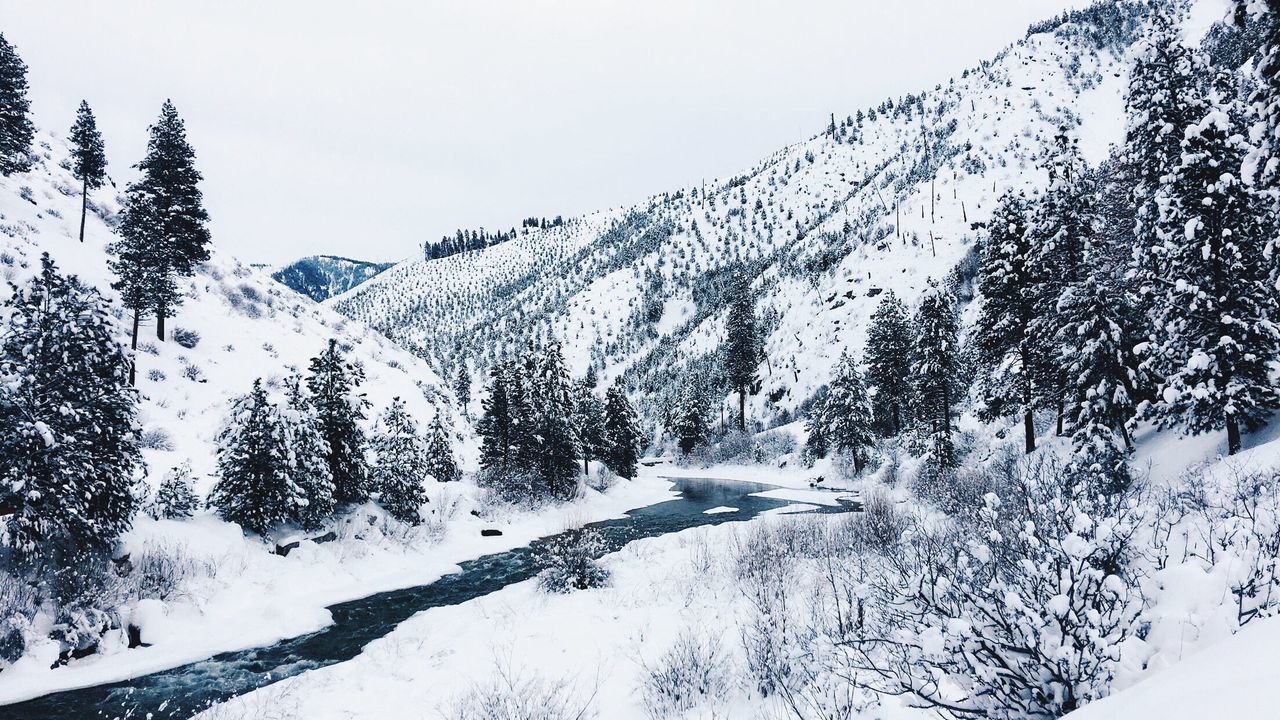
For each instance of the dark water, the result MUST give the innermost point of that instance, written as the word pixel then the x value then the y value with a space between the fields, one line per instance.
pixel 184 691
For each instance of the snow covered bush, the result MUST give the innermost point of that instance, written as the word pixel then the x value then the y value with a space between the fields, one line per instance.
pixel 508 695
pixel 1016 613
pixel 569 561
pixel 176 498
pixel 692 673
pixel 186 338
pixel 161 570
pixel 18 607
pixel 155 439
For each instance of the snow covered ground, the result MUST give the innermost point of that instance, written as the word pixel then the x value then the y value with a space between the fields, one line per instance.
pixel 242 596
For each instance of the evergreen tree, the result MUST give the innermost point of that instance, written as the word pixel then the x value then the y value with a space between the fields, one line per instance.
pixel 935 369
pixel 889 339
pixel 16 130
pixel 441 463
pixel 588 423
pixel 1008 355
pixel 255 486
pixel 848 413
pixel 1261 166
pixel 742 344
pixel 164 213
pixel 309 453
pixel 402 458
pixel 140 275
pixel 1216 336
pixel 691 418
pixel 816 424
pixel 462 387
pixel 497 424
pixel 554 440
pixel 68 419
pixel 176 497
pixel 340 412
pixel 88 157
pixel 622 434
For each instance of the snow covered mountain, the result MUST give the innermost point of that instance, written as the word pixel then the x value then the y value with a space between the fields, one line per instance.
pixel 320 277
pixel 885 199
pixel 235 323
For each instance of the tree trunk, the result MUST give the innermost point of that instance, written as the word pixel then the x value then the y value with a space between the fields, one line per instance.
pixel 1028 415
pixel 1061 414
pixel 742 408
pixel 160 312
pixel 586 465
pixel 84 205
pixel 1029 429
pixel 1233 434
pixel 133 345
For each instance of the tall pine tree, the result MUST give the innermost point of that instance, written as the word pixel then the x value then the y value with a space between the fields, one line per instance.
pixel 88 157
pixel 742 344
pixel 889 339
pixel 68 419
pixel 588 422
pixel 340 412
pixel 441 464
pixel 401 460
pixel 555 440
pixel 935 370
pixel 16 130
pixel 255 486
pixel 462 387
pixel 309 453
pixel 622 434
pixel 848 413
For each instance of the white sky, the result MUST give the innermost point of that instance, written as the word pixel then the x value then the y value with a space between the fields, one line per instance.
pixel 364 128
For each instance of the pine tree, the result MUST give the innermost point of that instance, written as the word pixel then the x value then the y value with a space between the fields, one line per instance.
pixel 588 423
pixel 622 434
pixel 309 453
pixel 462 387
pixel 340 412
pixel 164 213
pixel 16 130
pixel 847 412
pixel 935 369
pixel 691 418
pixel 176 497
pixel 255 486
pixel 497 425
pixel 89 159
pixel 1216 336
pixel 140 279
pixel 742 344
pixel 402 458
pixel 1261 166
pixel 441 463
pixel 889 340
pixel 555 441
pixel 68 419
pixel 1008 354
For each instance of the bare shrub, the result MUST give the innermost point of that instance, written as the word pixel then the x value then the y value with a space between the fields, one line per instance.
pixel 156 439
pixel 569 561
pixel 186 338
pixel 162 571
pixel 880 525
pixel 507 695
pixel 18 607
pixel 691 673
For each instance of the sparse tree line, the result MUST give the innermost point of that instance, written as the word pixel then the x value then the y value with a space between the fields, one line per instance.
pixel 467 240
pixel 539 427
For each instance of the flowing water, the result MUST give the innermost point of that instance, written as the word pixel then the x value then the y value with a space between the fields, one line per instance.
pixel 183 691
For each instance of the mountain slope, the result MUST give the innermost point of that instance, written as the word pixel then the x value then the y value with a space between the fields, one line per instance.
pixel 320 277
pixel 882 201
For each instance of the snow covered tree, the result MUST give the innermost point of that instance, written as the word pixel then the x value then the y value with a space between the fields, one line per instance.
pixel 1003 333
pixel 498 424
pixel 255 486
pixel 68 419
pixel 622 434
pixel 742 344
pixel 402 459
pixel 691 417
pixel 1215 334
pixel 140 276
pixel 340 412
pixel 16 130
pixel 815 424
pixel 1164 98
pixel 462 387
pixel 441 464
pixel 176 497
pixel 88 157
pixel 1261 165
pixel 935 370
pixel 164 213
pixel 888 356
pixel 309 453
pixel 847 412
pixel 555 441
pixel 588 423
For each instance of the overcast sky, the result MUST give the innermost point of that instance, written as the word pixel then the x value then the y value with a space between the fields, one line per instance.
pixel 363 128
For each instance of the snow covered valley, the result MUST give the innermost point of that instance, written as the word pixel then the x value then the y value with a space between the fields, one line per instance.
pixel 352 624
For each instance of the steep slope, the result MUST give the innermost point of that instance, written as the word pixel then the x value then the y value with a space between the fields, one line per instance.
pixel 320 277
pixel 884 200
pixel 242 324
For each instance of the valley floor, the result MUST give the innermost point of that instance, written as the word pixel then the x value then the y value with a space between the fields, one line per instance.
pixel 236 593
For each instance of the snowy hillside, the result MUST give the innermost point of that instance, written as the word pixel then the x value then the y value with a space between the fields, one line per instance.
pixel 320 277
pixel 884 200
pixel 242 324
